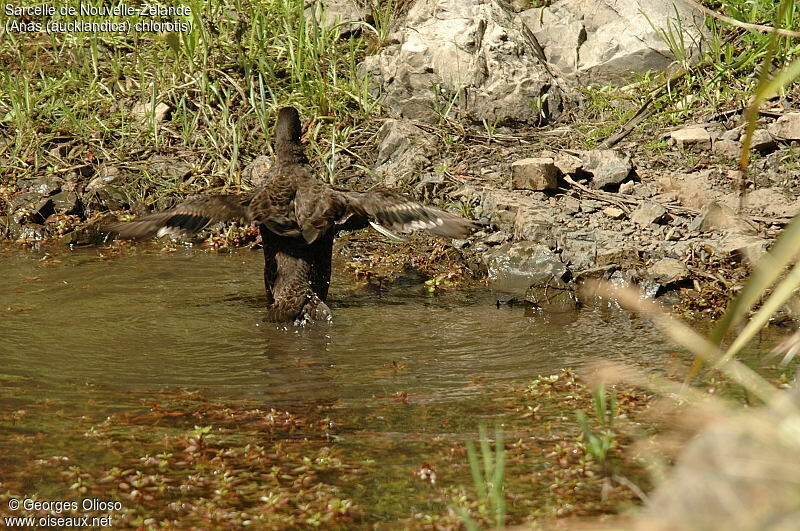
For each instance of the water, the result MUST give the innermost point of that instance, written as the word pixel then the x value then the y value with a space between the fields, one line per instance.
pixel 405 377
pixel 192 319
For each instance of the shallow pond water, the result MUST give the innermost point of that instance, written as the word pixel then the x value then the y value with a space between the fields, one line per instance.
pixel 193 319
pixel 405 372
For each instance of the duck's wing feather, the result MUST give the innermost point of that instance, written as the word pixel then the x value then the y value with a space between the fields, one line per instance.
pixel 398 213
pixel 187 218
pixel 317 208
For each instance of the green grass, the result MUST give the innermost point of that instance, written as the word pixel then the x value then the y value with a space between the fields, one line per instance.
pixel 223 83
pixel 727 73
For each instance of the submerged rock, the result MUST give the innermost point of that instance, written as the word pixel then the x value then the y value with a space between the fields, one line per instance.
pixel 515 267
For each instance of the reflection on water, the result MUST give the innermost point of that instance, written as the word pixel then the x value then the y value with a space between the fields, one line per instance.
pixel 193 319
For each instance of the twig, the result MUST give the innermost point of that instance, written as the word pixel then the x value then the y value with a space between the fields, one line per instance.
pixel 746 25
pixel 616 199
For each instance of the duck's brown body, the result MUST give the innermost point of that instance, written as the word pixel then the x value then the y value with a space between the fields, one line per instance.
pixel 298 217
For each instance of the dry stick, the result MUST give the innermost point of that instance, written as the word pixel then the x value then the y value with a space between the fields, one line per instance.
pixel 644 111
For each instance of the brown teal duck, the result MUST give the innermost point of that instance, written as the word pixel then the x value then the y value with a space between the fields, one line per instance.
pixel 298 217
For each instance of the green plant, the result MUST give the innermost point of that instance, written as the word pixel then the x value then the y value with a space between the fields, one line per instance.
pixel 487 476
pixel 605 410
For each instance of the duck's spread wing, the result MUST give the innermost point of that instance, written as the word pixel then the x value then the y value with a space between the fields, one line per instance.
pixel 187 218
pixel 397 213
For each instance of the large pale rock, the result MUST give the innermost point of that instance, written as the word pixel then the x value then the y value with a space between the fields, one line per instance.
pixel 727 148
pixel 716 216
pixel 748 246
pixel 608 42
pixel 142 112
pixel 586 249
pixel 475 53
pixel 762 141
pixel 501 207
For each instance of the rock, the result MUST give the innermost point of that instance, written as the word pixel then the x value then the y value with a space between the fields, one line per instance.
pixel 66 203
pixel 553 296
pixel 626 188
pixel 429 184
pixel 732 134
pixel 534 174
pixel 610 42
pixel 107 175
pixel 570 205
pixel 92 232
pixel 748 246
pixel 465 193
pixel 30 232
pixel 649 212
pixel 607 167
pixel 109 197
pixel 44 186
pixel 578 250
pixel 536 223
pixel 692 139
pixel 568 164
pixel 331 13
pixel 478 55
pixel 643 190
pixel 30 207
pixel 614 213
pixel 591 205
pixel 770 202
pixel 403 150
pixel 727 148
pixel 170 168
pixel 668 271
pixel 515 267
pixel 787 127
pixel 715 216
pixel 762 141
pixel 621 255
pixel 587 249
pixel 496 238
pixel 501 207
pixel 696 189
pixel 255 173
pixel 143 111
